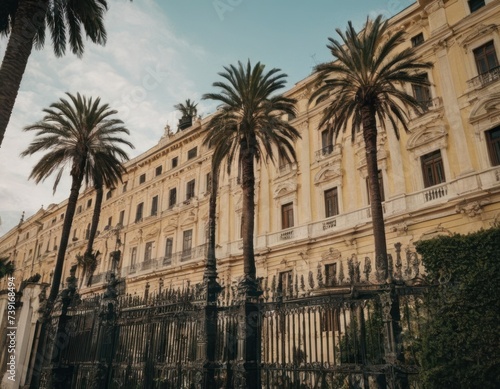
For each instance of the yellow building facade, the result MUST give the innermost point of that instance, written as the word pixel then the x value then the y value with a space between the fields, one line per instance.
pixel 312 216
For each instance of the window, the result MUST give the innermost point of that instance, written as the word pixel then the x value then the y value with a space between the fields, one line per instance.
pixel 138 212
pixel 87 232
pixel 148 252
pixel 154 206
pixel 287 216
pixel 79 209
pixel 187 242
pixel 142 178
pixel 331 274
pixel 474 5
pixel 169 245
pixel 331 202
pixel 172 197
pixel 61 217
pixel 158 170
pixel 380 184
pixel 125 186
pixel 486 58
pixel 192 153
pixel 190 189
pixel 209 182
pixel 417 40
pixel 422 93
pixel 89 203
pixel 110 221
pixel 122 218
pixel 109 194
pixel 326 143
pixel 133 258
pixel 285 283
pixel 432 168
pixel 175 162
pixel 493 142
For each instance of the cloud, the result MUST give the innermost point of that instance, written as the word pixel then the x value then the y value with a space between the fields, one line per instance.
pixel 143 70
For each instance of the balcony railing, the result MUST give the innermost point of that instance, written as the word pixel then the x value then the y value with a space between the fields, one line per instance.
pixel 428 105
pixel 435 192
pixel 325 151
pixel 286 168
pixel 485 78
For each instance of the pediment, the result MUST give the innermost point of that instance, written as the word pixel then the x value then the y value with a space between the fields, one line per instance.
pixel 426 136
pixel 485 108
pixel 172 224
pixel 328 173
pixel 151 233
pixel 188 218
pixel 284 188
pixel 476 33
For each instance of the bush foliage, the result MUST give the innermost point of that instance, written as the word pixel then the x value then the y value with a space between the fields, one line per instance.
pixel 461 341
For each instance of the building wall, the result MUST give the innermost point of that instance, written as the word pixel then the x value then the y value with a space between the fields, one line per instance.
pixel 462 108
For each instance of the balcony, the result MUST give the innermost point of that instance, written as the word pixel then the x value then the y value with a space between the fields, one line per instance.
pixel 485 78
pixel 428 106
pixel 286 168
pixel 324 152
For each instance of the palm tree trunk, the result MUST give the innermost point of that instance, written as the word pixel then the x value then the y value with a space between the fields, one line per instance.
pixel 29 17
pixel 66 232
pixel 42 357
pixel 95 219
pixel 370 137
pixel 248 214
pixel 90 267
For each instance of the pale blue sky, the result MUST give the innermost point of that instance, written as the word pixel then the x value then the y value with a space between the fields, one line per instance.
pixel 159 54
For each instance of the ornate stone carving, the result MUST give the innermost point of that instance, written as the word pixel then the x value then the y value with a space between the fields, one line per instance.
pixel 471 209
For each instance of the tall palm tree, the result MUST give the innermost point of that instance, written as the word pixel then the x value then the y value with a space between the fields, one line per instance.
pixel 246 127
pixel 189 112
pixel 24 21
pixel 78 132
pixel 363 85
pixel 6 267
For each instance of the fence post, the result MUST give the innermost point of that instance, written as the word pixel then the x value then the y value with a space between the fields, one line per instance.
pixel 393 344
pixel 61 376
pixel 247 369
pixel 107 334
pixel 207 322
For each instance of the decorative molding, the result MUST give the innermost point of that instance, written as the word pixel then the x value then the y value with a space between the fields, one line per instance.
pixel 435 137
pixel 485 108
pixel 284 188
pixel 474 34
pixel 471 209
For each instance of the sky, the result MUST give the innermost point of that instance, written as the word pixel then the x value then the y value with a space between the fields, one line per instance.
pixel 158 54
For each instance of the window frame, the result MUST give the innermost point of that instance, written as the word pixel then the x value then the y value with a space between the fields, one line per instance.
pixel 154 205
pixel 190 189
pixel 485 56
pixel 192 153
pixel 139 215
pixel 326 195
pixel 493 145
pixel 187 243
pixel 435 163
pixel 287 216
pixel 172 197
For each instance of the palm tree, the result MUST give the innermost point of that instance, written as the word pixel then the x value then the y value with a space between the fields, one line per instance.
pixel 80 133
pixel 6 267
pixel 363 85
pixel 189 112
pixel 246 127
pixel 24 22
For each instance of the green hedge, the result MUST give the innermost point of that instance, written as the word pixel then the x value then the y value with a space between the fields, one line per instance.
pixel 461 341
